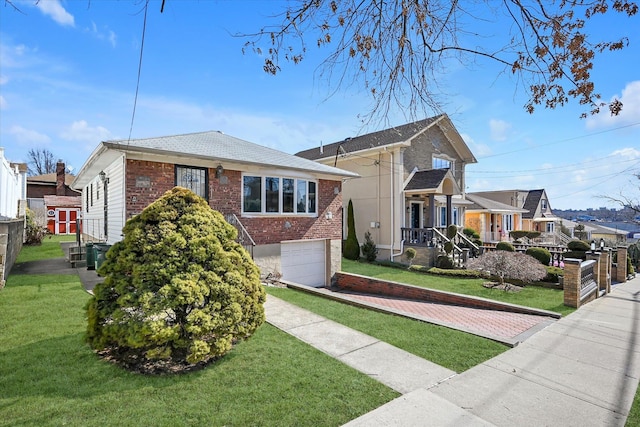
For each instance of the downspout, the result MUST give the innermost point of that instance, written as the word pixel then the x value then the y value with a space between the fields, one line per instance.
pixel 393 225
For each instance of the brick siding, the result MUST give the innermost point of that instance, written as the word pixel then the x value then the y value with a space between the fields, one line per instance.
pixel 225 196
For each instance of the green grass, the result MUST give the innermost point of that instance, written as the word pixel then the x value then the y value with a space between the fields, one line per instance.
pixel 450 348
pixel 49 376
pixel 50 248
pixel 529 296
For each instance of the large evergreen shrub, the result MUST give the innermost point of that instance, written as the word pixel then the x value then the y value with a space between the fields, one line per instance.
pixel 351 246
pixel 179 291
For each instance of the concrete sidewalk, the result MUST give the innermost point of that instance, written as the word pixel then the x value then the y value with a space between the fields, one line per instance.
pixel 580 371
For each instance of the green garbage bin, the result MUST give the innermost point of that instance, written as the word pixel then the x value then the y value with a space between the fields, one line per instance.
pixel 101 251
pixel 90 256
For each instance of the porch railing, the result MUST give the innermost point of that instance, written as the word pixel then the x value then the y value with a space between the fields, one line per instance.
pixel 432 237
pixel 244 238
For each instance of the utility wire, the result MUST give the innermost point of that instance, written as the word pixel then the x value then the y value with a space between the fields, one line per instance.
pixel 135 99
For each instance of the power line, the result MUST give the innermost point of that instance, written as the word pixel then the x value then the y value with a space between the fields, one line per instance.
pixel 559 141
pixel 135 99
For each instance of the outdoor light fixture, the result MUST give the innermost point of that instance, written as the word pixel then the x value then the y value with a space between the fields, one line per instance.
pixel 593 245
pixel 219 171
pixel 601 244
pixel 103 177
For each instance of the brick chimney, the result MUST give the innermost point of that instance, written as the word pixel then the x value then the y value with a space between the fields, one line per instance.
pixel 60 179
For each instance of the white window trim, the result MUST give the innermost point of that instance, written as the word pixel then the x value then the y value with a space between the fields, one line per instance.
pixel 452 162
pixel 263 199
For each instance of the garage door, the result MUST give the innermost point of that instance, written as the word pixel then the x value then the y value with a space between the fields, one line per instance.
pixel 303 261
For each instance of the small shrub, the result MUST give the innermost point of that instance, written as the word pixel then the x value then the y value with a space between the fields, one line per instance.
pixel 505 246
pixel 553 274
pixel 452 231
pixel 34 234
pixel 578 245
pixel 444 262
pixel 630 269
pixel 541 254
pixel 455 272
pixel 509 265
pixel 470 233
pixel 410 254
pixel 369 248
pixel 351 245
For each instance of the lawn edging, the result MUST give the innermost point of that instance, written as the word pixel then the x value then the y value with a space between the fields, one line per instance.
pixel 368 285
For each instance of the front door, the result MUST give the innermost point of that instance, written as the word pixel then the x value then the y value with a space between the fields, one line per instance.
pixel 416 215
pixel 65 220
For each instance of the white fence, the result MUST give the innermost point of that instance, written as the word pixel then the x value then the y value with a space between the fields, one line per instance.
pixel 13 188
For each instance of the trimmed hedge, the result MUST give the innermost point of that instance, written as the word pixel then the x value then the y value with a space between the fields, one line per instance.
pixel 455 272
pixel 578 245
pixel 505 246
pixel 541 254
pixel 553 274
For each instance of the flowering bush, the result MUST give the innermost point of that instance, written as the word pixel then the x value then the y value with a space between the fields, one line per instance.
pixel 509 265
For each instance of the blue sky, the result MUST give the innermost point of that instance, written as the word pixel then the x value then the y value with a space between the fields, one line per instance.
pixel 68 73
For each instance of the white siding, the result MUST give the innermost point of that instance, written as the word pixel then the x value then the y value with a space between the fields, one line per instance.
pixel 93 215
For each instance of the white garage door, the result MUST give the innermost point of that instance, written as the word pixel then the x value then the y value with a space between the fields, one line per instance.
pixel 303 261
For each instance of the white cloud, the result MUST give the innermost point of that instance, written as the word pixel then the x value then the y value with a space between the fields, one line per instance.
pixel 478 149
pixel 630 113
pixel 628 153
pixel 81 131
pixel 54 9
pixel 103 33
pixel 499 129
pixel 28 136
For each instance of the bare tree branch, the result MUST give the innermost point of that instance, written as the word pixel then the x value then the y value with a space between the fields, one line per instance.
pixel 398 49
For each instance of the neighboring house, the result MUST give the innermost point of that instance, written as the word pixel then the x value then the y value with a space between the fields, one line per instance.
pixel 55 204
pixel 50 184
pixel 491 219
pixel 412 180
pixel 591 230
pixel 289 207
pixel 538 215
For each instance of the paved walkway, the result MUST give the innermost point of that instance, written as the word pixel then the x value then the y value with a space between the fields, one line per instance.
pixel 580 371
pixel 508 328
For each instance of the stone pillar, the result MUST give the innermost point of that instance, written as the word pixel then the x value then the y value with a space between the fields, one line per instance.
pixel 622 264
pixel 572 282
pixel 604 275
pixel 596 269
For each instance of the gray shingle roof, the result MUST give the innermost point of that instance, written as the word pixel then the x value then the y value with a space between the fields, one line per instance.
pixel 482 203
pixel 370 140
pixel 215 145
pixel 428 179
pixel 531 203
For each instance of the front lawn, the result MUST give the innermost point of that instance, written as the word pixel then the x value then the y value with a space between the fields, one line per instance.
pixel 529 296
pixel 49 376
pixel 50 248
pixel 446 347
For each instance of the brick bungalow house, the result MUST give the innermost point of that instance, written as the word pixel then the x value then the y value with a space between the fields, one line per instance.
pixel 287 209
